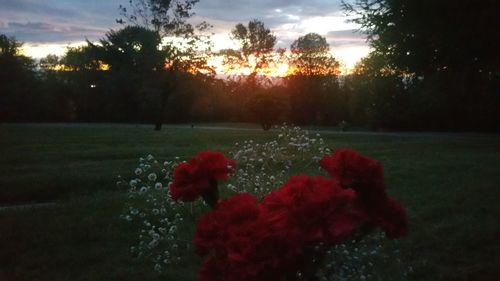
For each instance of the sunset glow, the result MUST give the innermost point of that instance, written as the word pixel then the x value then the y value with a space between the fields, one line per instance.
pixel 347 56
pixel 48 33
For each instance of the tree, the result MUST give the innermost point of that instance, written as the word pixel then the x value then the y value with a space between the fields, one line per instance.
pixel 17 81
pixel 136 64
pixel 257 54
pixel 422 36
pixel 313 81
pixel 257 48
pixel 447 50
pixel 266 107
pixel 84 73
pixel 311 56
pixel 133 47
pixel 186 46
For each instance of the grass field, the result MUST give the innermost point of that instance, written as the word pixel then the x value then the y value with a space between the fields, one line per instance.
pixel 450 184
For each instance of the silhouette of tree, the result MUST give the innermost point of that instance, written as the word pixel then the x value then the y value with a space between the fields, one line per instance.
pixel 17 78
pixel 83 76
pixel 447 51
pixel 186 46
pixel 426 35
pixel 311 56
pixel 313 81
pixel 257 48
pixel 266 108
pixel 132 47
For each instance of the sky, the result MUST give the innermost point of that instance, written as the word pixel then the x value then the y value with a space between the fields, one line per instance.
pixel 49 26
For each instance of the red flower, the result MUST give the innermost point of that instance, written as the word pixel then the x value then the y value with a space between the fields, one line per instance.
pixel 365 176
pixel 353 170
pixel 311 209
pixel 243 246
pixel 211 271
pixel 270 241
pixel 200 175
pixel 231 216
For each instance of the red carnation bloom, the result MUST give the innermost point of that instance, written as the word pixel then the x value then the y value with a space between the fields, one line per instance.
pixel 231 216
pixel 243 246
pixel 199 176
pixel 352 169
pixel 365 177
pixel 211 270
pixel 311 209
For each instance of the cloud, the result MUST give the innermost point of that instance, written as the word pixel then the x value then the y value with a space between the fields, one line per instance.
pixel 65 21
pixel 57 20
pixel 35 7
pixel 43 32
pixel 273 13
pixel 344 38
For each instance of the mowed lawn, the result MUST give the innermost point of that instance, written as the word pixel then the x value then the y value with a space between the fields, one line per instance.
pixel 450 184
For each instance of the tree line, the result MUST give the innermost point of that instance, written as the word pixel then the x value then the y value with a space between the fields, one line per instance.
pixel 155 69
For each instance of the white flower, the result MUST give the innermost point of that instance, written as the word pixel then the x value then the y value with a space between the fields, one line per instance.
pixel 133 183
pixel 158 185
pixel 143 189
pixel 153 243
pixel 158 268
pixel 152 177
pixel 138 171
pixel 150 157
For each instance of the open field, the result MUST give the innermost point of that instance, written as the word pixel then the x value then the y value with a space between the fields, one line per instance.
pixel 450 184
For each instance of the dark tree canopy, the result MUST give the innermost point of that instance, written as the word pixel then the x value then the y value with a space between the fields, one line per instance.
pixel 442 54
pixel 311 56
pixel 133 47
pixel 185 48
pixel 167 17
pixel 257 46
pixel 426 36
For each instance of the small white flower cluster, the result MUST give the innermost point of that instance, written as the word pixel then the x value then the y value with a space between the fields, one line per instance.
pixel 363 259
pixel 263 167
pixel 150 207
